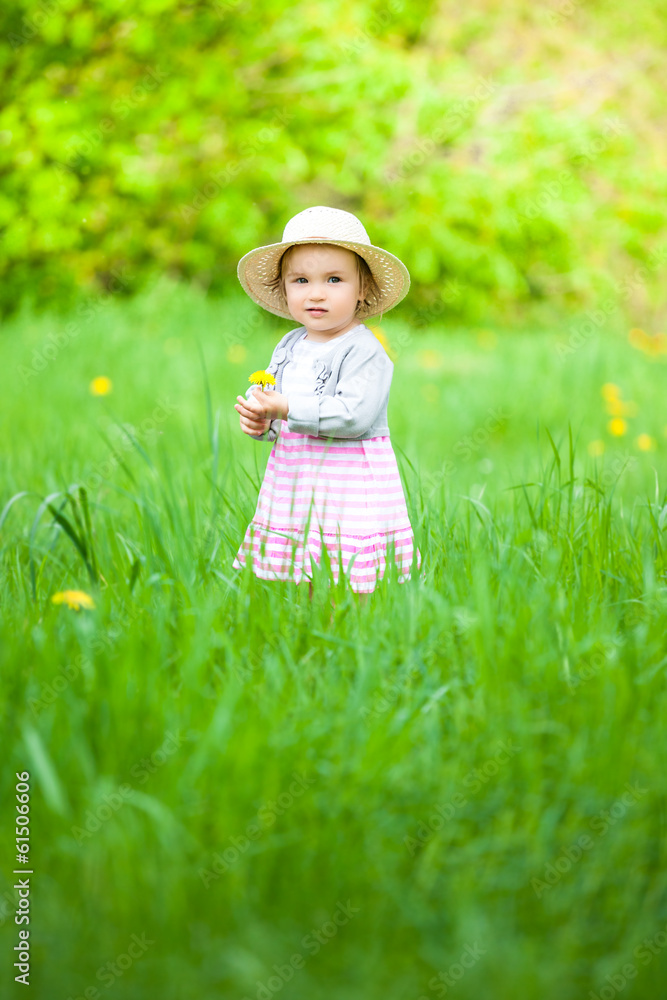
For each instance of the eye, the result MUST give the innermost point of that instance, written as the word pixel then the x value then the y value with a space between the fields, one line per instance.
pixel 334 278
pixel 300 279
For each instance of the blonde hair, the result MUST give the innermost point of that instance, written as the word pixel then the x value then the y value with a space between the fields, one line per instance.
pixel 369 289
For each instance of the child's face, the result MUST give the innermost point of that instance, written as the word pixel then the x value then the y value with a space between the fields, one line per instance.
pixel 326 277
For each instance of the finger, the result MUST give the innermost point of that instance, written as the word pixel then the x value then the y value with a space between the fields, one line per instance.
pixel 247 412
pixel 248 402
pixel 254 421
pixel 253 429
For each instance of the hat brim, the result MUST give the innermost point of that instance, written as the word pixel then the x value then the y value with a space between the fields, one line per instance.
pixel 259 266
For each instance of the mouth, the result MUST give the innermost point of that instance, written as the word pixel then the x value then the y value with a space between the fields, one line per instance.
pixel 316 312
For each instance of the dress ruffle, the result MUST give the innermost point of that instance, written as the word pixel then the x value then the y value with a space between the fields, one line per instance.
pixel 344 494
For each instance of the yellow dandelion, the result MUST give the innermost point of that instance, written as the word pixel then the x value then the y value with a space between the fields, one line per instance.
pixel 617 426
pixel 75 599
pixel 429 359
pixel 261 378
pixel 637 336
pixel 645 442
pixel 236 354
pixel 380 335
pixel 610 391
pixel 649 343
pixel 596 447
pixel 621 408
pixel 615 407
pixel 100 386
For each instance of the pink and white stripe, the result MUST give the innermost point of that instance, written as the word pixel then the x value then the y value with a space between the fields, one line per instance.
pixel 347 493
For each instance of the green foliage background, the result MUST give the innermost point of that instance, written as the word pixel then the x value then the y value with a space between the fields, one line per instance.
pixel 511 153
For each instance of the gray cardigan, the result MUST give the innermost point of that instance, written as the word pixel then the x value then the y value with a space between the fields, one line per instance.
pixel 352 389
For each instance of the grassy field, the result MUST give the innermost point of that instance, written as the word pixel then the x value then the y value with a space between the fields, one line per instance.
pixel 455 790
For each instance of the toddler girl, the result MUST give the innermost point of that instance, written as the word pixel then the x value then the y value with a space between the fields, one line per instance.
pixel 331 477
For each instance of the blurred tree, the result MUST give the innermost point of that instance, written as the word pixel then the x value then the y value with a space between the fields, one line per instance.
pixel 510 154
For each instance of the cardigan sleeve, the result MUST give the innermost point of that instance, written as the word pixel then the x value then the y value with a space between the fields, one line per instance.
pixel 361 392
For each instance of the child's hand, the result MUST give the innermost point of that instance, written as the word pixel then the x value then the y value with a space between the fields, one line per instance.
pixel 259 410
pixel 252 422
pixel 272 404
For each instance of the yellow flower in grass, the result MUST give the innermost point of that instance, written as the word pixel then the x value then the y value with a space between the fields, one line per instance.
pixel 619 408
pixel 596 448
pixel 610 392
pixel 649 343
pixel 617 426
pixel 429 359
pixel 75 599
pixel 380 335
pixel 262 378
pixel 645 442
pixel 100 386
pixel 615 406
pixel 236 353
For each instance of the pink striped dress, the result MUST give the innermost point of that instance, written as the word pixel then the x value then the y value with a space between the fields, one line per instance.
pixel 344 493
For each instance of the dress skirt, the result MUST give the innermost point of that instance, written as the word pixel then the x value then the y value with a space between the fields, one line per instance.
pixel 345 494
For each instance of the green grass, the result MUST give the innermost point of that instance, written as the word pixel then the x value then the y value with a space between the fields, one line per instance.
pixel 539 624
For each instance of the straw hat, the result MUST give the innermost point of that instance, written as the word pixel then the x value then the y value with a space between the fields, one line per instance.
pixel 322 224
